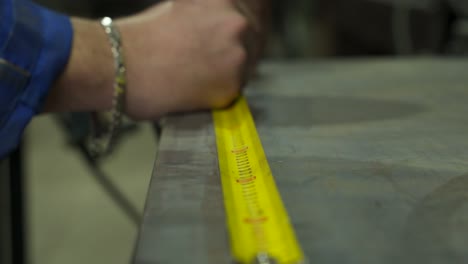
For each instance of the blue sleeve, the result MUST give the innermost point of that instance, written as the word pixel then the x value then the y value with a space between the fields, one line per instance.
pixel 35 45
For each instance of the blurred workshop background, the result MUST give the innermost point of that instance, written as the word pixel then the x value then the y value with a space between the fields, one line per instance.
pixel 80 211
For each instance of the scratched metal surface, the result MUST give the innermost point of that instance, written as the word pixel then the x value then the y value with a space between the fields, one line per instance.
pixel 370 156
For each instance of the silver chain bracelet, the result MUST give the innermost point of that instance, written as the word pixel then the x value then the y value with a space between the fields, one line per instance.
pixel 105 125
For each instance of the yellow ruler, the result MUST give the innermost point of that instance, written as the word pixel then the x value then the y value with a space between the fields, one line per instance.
pixel 259 227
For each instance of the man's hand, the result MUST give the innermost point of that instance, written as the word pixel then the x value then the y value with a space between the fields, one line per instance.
pixel 180 56
pixel 183 56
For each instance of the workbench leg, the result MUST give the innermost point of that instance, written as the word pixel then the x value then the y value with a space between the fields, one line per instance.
pixel 12 217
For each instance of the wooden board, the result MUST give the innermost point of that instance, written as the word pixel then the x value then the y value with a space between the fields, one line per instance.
pixel 370 156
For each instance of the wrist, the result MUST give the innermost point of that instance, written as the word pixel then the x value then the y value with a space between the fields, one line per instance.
pixel 142 83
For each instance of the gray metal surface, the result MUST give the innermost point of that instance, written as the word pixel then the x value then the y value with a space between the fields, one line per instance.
pixel 370 156
pixel 184 218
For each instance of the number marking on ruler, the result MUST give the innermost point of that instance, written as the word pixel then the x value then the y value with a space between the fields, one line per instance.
pixel 258 224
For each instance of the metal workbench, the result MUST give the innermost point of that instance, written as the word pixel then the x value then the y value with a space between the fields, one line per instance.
pixel 370 156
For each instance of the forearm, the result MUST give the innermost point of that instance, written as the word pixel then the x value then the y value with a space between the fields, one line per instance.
pixel 87 81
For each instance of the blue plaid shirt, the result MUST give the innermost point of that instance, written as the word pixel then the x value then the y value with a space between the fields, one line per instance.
pixel 35 44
